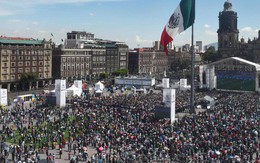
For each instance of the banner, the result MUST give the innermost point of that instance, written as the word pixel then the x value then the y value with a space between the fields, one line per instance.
pixel 3 96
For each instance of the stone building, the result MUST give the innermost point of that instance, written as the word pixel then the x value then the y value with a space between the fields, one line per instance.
pixel 23 56
pixel 229 44
pixel 147 61
pixel 83 55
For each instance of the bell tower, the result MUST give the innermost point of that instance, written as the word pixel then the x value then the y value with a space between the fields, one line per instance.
pixel 228 42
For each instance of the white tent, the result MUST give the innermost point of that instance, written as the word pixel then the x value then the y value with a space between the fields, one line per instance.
pixel 209 99
pixel 99 86
pixel 98 91
pixel 75 91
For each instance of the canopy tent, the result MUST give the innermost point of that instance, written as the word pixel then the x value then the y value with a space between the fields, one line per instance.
pixel 75 90
pixel 98 91
pixel 99 86
pixel 209 100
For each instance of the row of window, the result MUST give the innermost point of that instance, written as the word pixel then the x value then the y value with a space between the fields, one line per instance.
pixel 21 70
pixel 99 59
pixel 77 59
pixel 25 52
pixel 26 58
pixel 72 68
pixel 34 63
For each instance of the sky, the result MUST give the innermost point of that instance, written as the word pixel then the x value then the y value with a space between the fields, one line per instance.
pixel 137 22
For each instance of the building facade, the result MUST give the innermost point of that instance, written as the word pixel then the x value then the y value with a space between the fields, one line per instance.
pixel 83 55
pixel 21 56
pixel 147 61
pixel 71 63
pixel 229 44
pixel 199 45
pixel 76 38
pixel 228 33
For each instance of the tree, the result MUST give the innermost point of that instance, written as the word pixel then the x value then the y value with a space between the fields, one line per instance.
pixel 28 78
pixel 103 75
pixel 211 55
pixel 120 72
pixel 180 65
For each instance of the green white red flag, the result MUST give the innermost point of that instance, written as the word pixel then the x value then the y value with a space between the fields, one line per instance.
pixel 182 18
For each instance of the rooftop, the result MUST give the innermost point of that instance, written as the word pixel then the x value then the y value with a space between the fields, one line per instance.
pixel 19 41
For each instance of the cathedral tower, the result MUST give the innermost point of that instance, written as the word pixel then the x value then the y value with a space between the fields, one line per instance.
pixel 228 43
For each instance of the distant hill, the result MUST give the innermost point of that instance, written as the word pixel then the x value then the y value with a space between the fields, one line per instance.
pixel 215 44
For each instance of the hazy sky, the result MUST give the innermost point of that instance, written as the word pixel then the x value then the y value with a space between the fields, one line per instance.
pixel 136 22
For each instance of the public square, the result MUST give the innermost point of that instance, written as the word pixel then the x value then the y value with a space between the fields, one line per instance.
pixel 120 127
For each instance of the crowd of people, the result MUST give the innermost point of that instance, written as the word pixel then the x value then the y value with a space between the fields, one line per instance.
pixel 123 128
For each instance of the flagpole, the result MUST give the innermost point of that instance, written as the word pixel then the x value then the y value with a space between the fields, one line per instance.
pixel 192 109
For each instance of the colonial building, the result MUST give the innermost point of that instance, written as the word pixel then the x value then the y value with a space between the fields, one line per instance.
pixel 71 63
pixel 228 32
pixel 147 61
pixel 116 55
pixel 23 56
pixel 83 55
pixel 228 37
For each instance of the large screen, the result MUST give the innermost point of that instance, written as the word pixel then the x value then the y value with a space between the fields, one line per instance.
pixel 235 80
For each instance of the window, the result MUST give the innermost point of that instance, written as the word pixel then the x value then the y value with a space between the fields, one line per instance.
pixel 20 63
pixel 40 63
pixel 12 70
pixel 12 77
pixel 123 58
pixel 20 70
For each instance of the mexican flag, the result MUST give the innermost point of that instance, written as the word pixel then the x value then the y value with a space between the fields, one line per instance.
pixel 182 18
